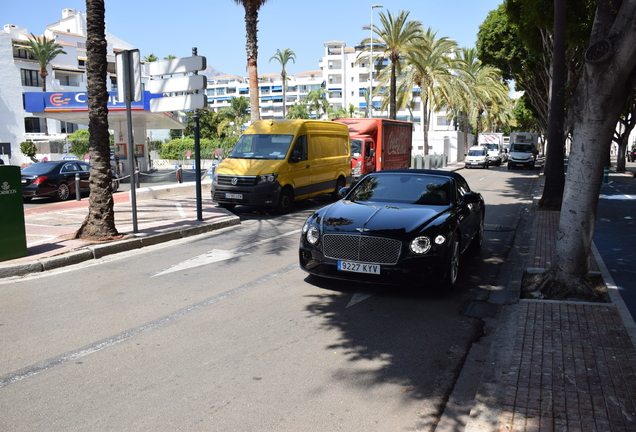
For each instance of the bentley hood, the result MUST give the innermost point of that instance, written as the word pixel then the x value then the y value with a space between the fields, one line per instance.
pixel 347 216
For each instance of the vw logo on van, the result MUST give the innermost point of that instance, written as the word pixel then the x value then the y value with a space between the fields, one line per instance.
pixel 234 181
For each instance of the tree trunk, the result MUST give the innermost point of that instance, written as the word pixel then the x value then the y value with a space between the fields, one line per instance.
pixel 100 221
pixel 284 95
pixel 393 95
pixel 43 75
pixel 554 168
pixel 251 46
pixel 425 126
pixel 601 94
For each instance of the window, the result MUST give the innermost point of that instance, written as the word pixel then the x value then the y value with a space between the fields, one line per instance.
pixel 32 125
pixel 22 53
pixel 442 120
pixel 81 63
pixel 30 78
pixel 66 127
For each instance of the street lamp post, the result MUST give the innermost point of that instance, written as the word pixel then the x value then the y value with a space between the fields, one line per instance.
pixel 371 65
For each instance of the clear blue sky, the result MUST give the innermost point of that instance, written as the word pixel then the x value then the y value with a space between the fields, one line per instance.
pixel 217 27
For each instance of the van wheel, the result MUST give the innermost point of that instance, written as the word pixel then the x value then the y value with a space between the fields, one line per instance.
pixel 286 201
pixel 339 185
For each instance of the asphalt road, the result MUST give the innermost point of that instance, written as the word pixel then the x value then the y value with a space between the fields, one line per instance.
pixel 615 234
pixel 224 332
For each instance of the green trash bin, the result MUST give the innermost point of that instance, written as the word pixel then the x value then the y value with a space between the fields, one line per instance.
pixel 12 232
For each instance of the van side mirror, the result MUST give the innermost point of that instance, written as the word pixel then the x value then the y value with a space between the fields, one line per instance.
pixel 372 152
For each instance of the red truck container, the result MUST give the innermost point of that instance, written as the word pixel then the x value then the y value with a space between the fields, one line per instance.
pixel 378 144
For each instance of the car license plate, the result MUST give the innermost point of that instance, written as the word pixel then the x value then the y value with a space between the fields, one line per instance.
pixel 234 196
pixel 359 267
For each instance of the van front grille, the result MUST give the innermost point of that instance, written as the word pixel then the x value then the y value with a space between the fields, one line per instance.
pixel 226 180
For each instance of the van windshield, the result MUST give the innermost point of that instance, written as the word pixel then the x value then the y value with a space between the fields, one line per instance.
pixel 475 152
pixel 521 148
pixel 262 146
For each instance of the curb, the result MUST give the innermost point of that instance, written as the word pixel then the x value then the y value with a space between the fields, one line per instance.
pixel 98 251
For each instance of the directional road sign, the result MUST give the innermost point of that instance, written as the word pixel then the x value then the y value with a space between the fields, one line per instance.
pixel 179 103
pixel 178 84
pixel 179 65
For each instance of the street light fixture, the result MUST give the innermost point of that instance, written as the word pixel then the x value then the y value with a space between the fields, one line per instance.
pixel 371 65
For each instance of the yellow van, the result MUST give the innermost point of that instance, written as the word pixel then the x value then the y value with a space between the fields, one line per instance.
pixel 276 162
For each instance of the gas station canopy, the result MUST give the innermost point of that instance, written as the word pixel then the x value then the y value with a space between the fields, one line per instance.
pixel 72 107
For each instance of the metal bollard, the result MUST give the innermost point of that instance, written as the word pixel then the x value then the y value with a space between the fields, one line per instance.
pixel 78 193
pixel 605 174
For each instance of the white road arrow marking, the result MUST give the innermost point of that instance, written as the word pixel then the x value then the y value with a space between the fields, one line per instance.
pixel 360 296
pixel 216 255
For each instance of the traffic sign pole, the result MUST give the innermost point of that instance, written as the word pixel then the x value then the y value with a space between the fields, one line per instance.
pixel 197 156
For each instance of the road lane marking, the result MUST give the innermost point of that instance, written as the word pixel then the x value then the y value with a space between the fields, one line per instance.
pixel 216 255
pixel 43 366
pixel 361 295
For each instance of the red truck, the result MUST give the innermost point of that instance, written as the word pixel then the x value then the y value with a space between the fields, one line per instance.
pixel 378 144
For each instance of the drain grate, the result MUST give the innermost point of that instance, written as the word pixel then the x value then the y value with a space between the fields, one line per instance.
pixel 481 309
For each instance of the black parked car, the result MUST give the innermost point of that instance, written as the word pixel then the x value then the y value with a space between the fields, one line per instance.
pixel 631 155
pixel 54 179
pixel 395 227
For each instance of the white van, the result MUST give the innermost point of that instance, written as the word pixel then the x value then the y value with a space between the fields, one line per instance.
pixel 477 157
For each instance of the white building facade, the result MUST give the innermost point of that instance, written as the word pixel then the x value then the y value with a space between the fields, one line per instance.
pixel 346 82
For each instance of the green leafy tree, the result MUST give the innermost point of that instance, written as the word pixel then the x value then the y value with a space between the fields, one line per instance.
pixel 150 58
pixel 601 94
pixel 251 46
pixel 317 101
pixel 169 57
pixel 298 111
pixel 29 149
pixel 283 57
pixel 430 64
pixel 43 51
pixel 397 36
pixel 80 143
pixel 237 113
pixel 100 221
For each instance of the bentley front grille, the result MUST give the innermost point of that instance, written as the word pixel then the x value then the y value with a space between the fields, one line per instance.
pixel 376 250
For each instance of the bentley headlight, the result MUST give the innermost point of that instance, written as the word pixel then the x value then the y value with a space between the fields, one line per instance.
pixel 440 239
pixel 312 235
pixel 420 245
pixel 267 178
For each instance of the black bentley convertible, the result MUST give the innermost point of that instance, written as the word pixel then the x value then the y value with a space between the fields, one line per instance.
pixel 395 227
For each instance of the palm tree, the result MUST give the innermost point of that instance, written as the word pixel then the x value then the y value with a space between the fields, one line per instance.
pixel 169 57
pixel 150 58
pixel 317 101
pixel 397 37
pixel 236 113
pixel 483 89
pixel 251 46
pixel 43 50
pixel 283 57
pixel 430 64
pixel 100 221
pixel 297 111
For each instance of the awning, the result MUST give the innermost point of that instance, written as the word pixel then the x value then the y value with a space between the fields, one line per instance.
pixel 274 88
pixel 243 89
pixel 69 71
pixel 362 105
pixel 81 58
pixel 264 88
pixel 224 98
pixel 335 89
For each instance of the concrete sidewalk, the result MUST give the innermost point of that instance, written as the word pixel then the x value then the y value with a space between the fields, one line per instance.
pixel 164 213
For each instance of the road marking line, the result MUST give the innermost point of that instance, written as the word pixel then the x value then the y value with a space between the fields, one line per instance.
pixel 216 255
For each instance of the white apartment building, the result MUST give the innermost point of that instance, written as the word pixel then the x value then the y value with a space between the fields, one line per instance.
pixel 345 83
pixel 20 81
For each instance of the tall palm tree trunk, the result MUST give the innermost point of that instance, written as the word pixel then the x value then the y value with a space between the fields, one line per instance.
pixel 100 221
pixel 251 21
